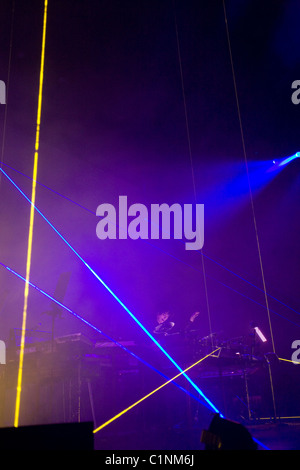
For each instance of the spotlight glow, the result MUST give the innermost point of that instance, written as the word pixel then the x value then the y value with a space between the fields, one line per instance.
pixel 278 164
pixel 289 159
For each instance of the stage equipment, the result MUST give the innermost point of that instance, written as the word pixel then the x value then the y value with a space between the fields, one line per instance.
pixel 120 302
pixel 79 368
pixel 71 361
pixel 223 434
pixel 260 334
pixel 239 361
pixel 112 342
pixel 150 394
pixel 54 372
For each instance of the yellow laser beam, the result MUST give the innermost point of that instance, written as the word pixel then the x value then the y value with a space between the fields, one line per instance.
pixel 152 393
pixel 288 360
pixel 31 221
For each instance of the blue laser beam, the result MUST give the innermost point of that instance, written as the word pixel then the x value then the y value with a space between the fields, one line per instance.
pixel 106 336
pixel 98 330
pixel 186 264
pixel 206 399
pixel 175 257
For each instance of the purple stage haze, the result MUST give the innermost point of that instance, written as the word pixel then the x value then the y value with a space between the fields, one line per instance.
pixel 114 123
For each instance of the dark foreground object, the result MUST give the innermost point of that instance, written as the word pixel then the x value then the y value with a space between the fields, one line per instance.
pixel 227 435
pixel 66 436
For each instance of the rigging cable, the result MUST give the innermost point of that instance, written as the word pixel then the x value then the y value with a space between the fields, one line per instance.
pixel 251 199
pixel 191 162
pixel 247 170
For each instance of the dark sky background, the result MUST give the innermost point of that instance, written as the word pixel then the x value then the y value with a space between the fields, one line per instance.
pixel 113 123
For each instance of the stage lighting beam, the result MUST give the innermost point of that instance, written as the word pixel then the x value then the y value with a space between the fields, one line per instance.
pixel 31 222
pixel 121 303
pixel 289 159
pixel 284 161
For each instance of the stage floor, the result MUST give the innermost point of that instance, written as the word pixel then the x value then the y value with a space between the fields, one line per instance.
pixel 273 436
